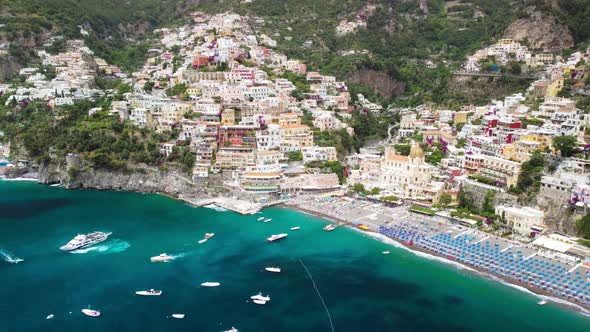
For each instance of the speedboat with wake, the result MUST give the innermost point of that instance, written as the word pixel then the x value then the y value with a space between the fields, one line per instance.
pixel 85 240
pixel 259 297
pixel 277 237
pixel 151 292
pixel 329 228
pixel 162 258
pixel 91 313
pixel 542 302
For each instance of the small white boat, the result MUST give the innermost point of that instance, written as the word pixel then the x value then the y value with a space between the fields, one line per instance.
pixel 542 302
pixel 233 329
pixel 202 241
pixel 209 235
pixel 295 228
pixel 91 313
pixel 178 316
pixel 273 269
pixel 386 252
pixel 261 219
pixel 267 220
pixel 50 316
pixel 329 228
pixel 162 258
pixel 259 297
pixel 259 302
pixel 151 292
pixel 210 284
pixel 276 237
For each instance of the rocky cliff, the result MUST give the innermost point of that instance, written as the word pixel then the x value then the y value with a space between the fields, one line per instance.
pixel 380 81
pixel 541 31
pixel 76 173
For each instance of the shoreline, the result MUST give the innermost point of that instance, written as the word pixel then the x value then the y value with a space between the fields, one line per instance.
pixel 433 256
pixel 416 250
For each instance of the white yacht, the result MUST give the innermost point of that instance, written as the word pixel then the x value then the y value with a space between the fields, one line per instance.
pixel 202 241
pixel 85 240
pixel 267 220
pixel 261 219
pixel 178 316
pixel 91 313
pixel 330 228
pixel 151 292
pixel 162 258
pixel 273 269
pixel 296 228
pixel 210 284
pixel 233 329
pixel 542 302
pixel 260 297
pixel 209 235
pixel 386 252
pixel 50 316
pixel 277 237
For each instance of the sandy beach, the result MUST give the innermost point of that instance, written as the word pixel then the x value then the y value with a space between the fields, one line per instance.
pixel 350 212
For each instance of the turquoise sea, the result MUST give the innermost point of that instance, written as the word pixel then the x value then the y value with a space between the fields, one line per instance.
pixel 363 289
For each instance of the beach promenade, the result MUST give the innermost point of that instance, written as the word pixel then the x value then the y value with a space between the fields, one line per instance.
pixel 542 271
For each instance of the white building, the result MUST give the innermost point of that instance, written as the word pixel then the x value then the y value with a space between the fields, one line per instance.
pixel 524 220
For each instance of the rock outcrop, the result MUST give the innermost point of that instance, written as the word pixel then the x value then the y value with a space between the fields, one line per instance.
pixel 379 81
pixel 541 32
pixel 76 173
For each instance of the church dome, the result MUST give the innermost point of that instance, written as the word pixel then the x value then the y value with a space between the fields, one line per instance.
pixel 416 151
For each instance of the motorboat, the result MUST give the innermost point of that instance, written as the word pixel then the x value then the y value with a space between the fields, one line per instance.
pixel 151 292
pixel 178 316
pixel 50 316
pixel 273 269
pixel 329 228
pixel 261 219
pixel 202 241
pixel 267 220
pixel 276 237
pixel 386 252
pixel 542 302
pixel 91 313
pixel 233 329
pixel 210 284
pixel 162 258
pixel 85 240
pixel 260 297
pixel 295 228
pixel 209 235
pixel 259 302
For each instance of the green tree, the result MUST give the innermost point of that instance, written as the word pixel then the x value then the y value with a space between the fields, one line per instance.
pixel 565 144
pixel 444 200
pixel 583 227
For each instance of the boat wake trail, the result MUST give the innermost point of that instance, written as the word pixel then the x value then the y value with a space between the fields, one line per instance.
pixel 9 257
pixel 110 247
pixel 215 207
pixel 320 295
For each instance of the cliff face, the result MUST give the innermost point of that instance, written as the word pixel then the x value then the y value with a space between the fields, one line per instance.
pixel 379 81
pixel 541 32
pixel 76 173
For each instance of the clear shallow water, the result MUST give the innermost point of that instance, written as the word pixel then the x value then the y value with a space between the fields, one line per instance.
pixel 364 290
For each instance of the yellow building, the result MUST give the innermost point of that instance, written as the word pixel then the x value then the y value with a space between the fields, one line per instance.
pixel 461 116
pixel 228 117
pixel 554 87
pixel 523 149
